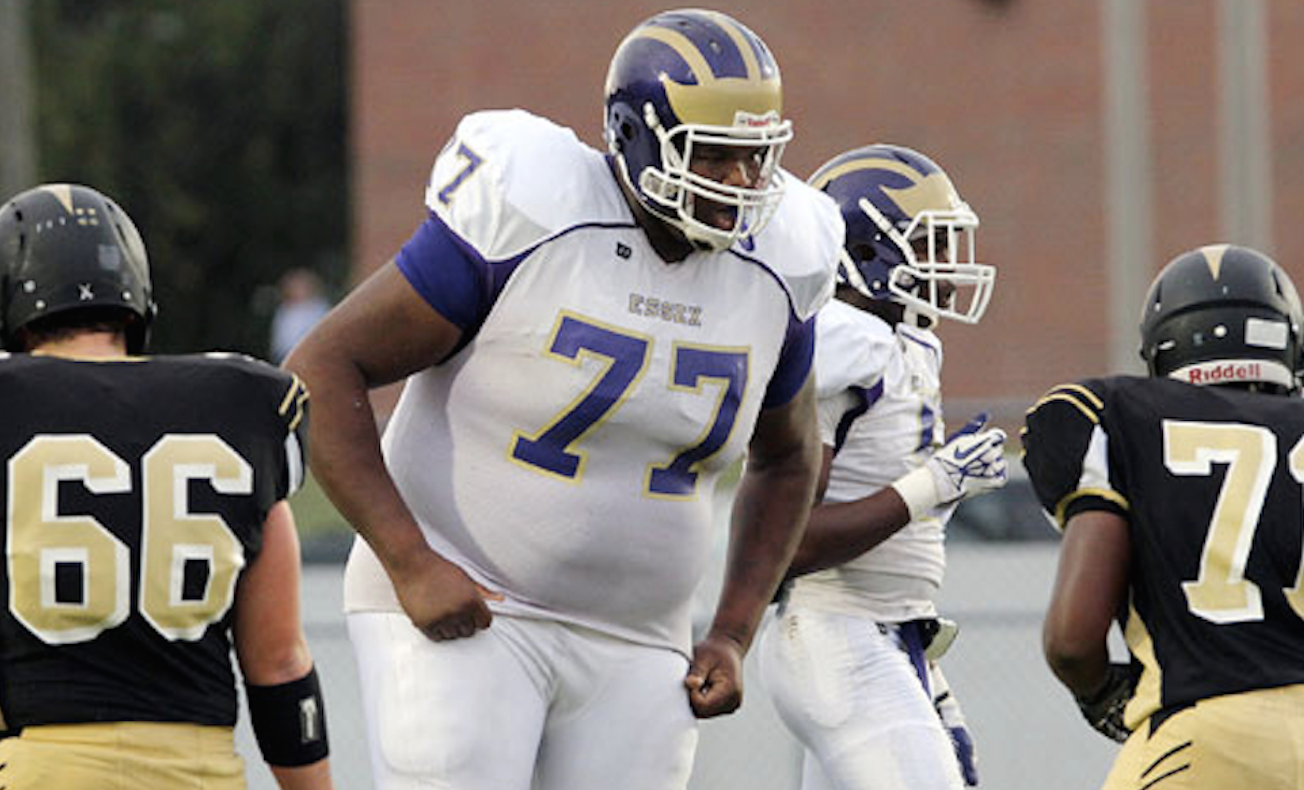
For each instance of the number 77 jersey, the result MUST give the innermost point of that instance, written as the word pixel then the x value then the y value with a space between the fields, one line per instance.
pixel 1209 479
pixel 567 454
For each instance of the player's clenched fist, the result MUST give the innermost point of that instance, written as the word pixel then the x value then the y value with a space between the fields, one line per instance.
pixel 715 679
pixel 440 599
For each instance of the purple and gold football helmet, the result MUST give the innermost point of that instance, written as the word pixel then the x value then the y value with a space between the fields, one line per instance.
pixel 910 238
pixel 690 78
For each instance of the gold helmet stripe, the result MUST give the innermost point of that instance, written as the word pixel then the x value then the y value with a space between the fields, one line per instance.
pixel 740 41
pixel 864 164
pixel 716 101
pixel 933 192
pixel 683 46
pixel 61 193
pixel 1213 255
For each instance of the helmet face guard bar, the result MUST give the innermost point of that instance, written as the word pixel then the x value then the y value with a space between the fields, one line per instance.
pixel 690 78
pixel 677 188
pixel 955 287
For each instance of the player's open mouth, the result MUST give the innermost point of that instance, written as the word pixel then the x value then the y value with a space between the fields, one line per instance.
pixel 717 215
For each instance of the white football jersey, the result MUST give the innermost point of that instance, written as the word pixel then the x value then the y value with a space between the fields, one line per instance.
pixel 568 455
pixel 880 405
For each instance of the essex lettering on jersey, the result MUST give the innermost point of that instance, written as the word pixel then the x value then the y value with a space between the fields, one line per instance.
pixel 675 312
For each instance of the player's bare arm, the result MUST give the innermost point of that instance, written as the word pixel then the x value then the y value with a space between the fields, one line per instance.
pixel 971 463
pixel 380 334
pixel 269 641
pixel 1090 585
pixel 769 514
pixel 841 531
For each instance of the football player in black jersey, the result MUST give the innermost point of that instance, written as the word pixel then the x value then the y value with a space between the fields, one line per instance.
pixel 1180 500
pixel 145 527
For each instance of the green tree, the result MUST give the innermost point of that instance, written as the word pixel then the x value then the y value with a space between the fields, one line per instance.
pixel 221 129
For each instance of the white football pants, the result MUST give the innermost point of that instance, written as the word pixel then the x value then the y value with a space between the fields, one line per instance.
pixel 848 691
pixel 523 704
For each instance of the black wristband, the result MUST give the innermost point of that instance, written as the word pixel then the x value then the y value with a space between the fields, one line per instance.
pixel 289 721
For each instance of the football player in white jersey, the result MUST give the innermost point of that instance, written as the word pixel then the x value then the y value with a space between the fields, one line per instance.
pixel 848 659
pixel 588 341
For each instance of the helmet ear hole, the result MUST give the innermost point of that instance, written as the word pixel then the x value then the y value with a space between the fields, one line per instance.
pixel 622 128
pixel 860 251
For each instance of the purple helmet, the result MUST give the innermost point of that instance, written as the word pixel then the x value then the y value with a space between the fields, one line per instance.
pixel 891 197
pixel 688 78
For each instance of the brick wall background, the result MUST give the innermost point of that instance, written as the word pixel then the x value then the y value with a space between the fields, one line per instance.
pixel 1008 95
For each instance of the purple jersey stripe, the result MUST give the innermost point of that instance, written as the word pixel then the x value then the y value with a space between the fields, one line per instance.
pixel 794 362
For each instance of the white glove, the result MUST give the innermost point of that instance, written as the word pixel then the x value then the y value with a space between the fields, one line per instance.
pixel 971 462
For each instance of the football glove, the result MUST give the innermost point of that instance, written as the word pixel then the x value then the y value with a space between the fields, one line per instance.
pixel 971 462
pixel 1104 710
pixel 976 423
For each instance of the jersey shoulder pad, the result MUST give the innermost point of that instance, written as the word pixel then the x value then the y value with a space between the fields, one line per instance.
pixel 800 245
pixel 264 384
pixel 281 395
pixel 852 348
pixel 10 361
pixel 508 180
pixel 1066 451
pixel 925 338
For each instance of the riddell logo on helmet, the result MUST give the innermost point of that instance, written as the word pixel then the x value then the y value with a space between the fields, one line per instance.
pixel 753 121
pixel 1222 372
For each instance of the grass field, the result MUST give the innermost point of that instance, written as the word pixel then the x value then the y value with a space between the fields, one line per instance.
pixel 314 513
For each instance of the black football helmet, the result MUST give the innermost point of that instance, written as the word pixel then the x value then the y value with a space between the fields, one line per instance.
pixel 689 78
pixel 1223 314
pixel 67 247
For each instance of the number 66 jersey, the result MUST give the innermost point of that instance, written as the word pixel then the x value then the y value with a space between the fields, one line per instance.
pixel 1208 478
pixel 135 491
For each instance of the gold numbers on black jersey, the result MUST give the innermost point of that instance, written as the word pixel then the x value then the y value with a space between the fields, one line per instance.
pixel 172 536
pixel 42 545
pixel 45 547
pixel 1221 593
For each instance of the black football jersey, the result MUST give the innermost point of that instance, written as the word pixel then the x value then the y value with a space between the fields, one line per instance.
pixel 135 492
pixel 1209 480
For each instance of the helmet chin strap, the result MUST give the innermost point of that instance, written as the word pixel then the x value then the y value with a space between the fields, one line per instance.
pixel 918 318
